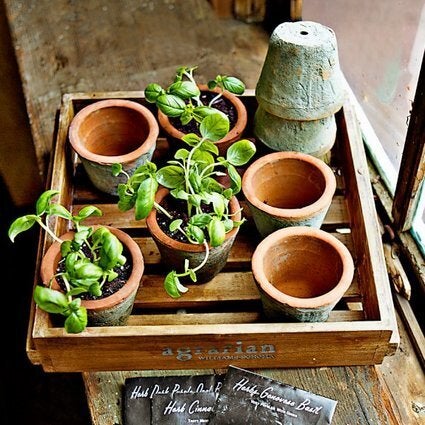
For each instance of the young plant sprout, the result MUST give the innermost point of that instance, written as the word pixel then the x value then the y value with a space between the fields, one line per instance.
pixel 88 261
pixel 183 98
pixel 191 178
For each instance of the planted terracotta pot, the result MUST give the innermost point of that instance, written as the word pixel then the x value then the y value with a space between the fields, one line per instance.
pixel 174 253
pixel 114 309
pixel 301 77
pixel 174 135
pixel 314 137
pixel 286 189
pixel 301 273
pixel 113 131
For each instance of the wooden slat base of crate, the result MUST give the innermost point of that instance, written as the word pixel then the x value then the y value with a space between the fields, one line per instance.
pixel 220 323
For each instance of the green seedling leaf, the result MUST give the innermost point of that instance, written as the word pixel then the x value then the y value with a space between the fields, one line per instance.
pixel 194 200
pixel 209 147
pixel 170 105
pixel 87 212
pixel 116 169
pixel 233 85
pixel 171 283
pixel 145 198
pixel 152 91
pixel 228 193
pixel 228 225
pixel 214 127
pixel 87 271
pixel 66 248
pixel 175 224
pixel 191 139
pixel 50 300
pixel 126 201
pixel 211 185
pixel 212 84
pixel 180 194
pixel 110 251
pixel 181 154
pixel 203 158
pixel 170 176
pixel 195 181
pixel 76 322
pixel 196 233
pixel 59 210
pixel 200 112
pixel 240 152
pixel 192 275
pixel 43 201
pixel 235 179
pixel 200 220
pixel 20 225
pixel 95 289
pixel 219 203
pixel 184 89
pixel 76 291
pixel 217 232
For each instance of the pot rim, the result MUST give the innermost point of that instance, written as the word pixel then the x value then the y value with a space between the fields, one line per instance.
pixel 129 157
pixel 330 297
pixel 154 228
pixel 234 133
pixel 52 256
pixel 296 213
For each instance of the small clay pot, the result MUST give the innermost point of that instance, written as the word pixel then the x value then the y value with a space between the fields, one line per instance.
pixel 113 131
pixel 286 189
pixel 174 135
pixel 114 309
pixel 314 137
pixel 301 77
pixel 174 253
pixel 301 273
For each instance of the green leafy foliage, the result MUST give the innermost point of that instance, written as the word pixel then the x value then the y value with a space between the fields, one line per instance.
pixel 191 177
pixel 182 97
pixel 82 273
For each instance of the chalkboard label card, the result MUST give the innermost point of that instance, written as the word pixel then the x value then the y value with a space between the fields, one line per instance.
pixel 248 398
pixel 170 399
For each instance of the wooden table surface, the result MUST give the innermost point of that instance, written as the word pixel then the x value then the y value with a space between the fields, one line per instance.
pixel 387 394
pixel 104 46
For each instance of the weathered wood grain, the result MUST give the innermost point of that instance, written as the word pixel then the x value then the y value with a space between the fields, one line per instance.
pixel 105 46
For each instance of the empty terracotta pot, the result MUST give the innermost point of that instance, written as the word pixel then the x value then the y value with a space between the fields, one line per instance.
pixel 113 131
pixel 301 77
pixel 286 189
pixel 314 137
pixel 301 273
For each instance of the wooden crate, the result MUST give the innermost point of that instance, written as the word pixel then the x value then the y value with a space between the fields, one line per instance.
pixel 220 323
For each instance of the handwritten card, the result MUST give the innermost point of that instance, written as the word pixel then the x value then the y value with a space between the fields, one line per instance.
pixel 170 399
pixel 249 398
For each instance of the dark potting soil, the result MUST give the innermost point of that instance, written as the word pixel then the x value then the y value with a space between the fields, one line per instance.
pixel 178 210
pixel 222 104
pixel 108 288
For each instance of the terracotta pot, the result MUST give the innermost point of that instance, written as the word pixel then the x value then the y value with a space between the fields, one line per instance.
pixel 314 137
pixel 301 77
pixel 114 309
pixel 286 189
pixel 301 273
pixel 113 131
pixel 174 135
pixel 173 253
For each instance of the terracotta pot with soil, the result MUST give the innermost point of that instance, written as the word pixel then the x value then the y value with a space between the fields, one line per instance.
pixel 174 252
pixel 113 131
pixel 229 104
pixel 301 273
pixel 286 189
pixel 114 308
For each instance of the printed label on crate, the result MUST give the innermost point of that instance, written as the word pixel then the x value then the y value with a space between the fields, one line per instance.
pixel 249 398
pixel 170 399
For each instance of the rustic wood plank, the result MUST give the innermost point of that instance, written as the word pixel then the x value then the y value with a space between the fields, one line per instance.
pixel 217 318
pixel 412 168
pixel 250 10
